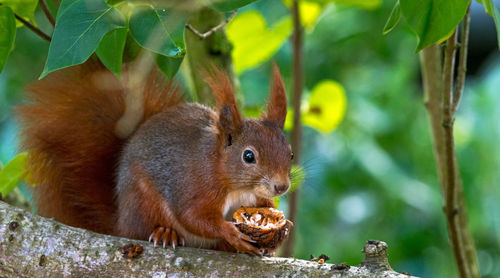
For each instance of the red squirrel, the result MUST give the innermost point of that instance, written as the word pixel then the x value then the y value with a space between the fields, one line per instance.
pixel 175 180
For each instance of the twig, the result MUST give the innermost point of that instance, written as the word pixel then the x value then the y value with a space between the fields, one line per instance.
pixel 33 28
pixel 448 70
pixel 450 169
pixel 462 61
pixel 203 36
pixel 57 3
pixel 296 135
pixel 47 13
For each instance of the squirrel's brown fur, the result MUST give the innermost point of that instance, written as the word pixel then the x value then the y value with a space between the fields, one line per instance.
pixel 175 179
pixel 67 127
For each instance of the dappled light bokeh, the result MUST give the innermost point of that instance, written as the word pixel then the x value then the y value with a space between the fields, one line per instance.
pixel 367 154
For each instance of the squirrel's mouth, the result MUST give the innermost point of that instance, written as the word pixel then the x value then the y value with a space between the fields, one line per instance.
pixel 269 189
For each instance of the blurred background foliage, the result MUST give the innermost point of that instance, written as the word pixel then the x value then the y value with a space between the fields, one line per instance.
pixel 370 170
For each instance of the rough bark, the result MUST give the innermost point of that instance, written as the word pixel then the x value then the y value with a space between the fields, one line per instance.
pixel 33 246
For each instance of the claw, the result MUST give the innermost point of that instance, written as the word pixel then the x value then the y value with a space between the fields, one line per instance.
pixel 173 238
pixel 166 236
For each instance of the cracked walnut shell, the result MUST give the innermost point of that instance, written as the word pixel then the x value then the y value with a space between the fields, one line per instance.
pixel 267 226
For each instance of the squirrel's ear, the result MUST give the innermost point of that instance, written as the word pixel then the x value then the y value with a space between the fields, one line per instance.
pixel 276 105
pixel 226 121
pixel 230 119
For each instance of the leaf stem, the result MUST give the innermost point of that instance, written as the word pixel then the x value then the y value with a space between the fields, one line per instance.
pixel 207 34
pixel 47 13
pixel 462 61
pixel 33 28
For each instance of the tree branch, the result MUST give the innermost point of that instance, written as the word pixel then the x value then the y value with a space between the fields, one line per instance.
pixel 462 61
pixel 47 13
pixel 33 28
pixel 203 36
pixel 296 134
pixel 449 152
pixel 448 73
pixel 432 77
pixel 33 246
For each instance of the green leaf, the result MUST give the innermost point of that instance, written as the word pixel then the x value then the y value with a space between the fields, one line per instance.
pixel 229 5
pixel 393 19
pixel 110 50
pixel 65 4
pixel 160 31
pixel 12 174
pixel 253 41
pixel 433 20
pixel 78 32
pixel 169 65
pixel 490 8
pixel 132 49
pixel 8 34
pixel 23 8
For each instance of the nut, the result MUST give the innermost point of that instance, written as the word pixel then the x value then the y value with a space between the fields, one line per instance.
pixel 267 226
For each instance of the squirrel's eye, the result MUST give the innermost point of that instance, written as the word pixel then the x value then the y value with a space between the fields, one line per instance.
pixel 249 156
pixel 291 157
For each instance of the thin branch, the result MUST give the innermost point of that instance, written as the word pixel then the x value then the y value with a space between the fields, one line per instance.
pixel 431 65
pixel 462 61
pixel 449 152
pixel 33 28
pixel 207 34
pixel 296 134
pixel 47 13
pixel 448 73
pixel 57 3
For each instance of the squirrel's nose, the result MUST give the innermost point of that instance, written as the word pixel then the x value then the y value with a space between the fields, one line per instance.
pixel 281 188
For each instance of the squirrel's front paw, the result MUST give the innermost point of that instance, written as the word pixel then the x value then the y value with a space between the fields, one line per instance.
pixel 166 235
pixel 240 241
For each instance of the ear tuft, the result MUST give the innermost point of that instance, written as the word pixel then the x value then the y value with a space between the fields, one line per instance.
pixel 226 120
pixel 276 105
pixel 230 119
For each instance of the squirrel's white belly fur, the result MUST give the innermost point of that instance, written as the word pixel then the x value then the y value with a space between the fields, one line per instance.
pixel 237 199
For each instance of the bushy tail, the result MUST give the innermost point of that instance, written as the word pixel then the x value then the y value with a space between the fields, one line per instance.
pixel 68 129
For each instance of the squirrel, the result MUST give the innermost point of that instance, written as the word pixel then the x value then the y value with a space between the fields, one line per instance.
pixel 175 180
